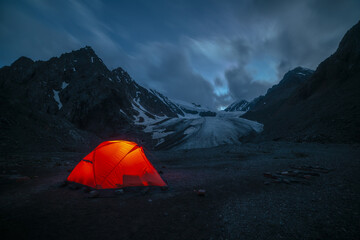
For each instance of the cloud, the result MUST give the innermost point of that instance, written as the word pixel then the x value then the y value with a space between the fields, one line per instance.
pixel 166 67
pixel 242 85
pixel 297 33
pixel 229 50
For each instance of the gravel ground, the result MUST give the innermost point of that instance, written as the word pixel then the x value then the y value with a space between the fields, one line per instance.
pixel 239 202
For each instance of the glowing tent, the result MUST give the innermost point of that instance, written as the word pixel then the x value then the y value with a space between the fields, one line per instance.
pixel 116 164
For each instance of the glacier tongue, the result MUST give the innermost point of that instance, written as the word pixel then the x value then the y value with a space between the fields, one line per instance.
pixel 216 131
pixel 201 132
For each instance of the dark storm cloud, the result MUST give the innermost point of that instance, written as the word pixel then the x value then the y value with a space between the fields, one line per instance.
pixel 302 32
pixel 242 86
pixel 210 52
pixel 169 71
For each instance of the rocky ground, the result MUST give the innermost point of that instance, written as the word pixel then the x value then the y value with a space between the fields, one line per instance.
pixel 269 190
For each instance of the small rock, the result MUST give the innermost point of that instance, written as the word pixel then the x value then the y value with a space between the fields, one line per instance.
pixel 63 184
pixel 307 176
pixel 149 200
pixel 165 188
pixel 161 172
pixel 166 214
pixel 145 191
pixel 266 183
pixel 74 187
pixel 286 181
pixel 94 194
pixel 22 179
pixel 86 189
pixel 269 175
pixel 119 191
pixel 201 192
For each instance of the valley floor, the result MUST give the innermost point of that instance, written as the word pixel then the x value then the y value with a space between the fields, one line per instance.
pixel 239 203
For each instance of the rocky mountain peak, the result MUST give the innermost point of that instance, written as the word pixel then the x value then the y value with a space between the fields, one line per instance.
pixel 83 59
pixel 296 74
pixel 79 88
pixel 121 74
pixel 22 62
pixel 291 80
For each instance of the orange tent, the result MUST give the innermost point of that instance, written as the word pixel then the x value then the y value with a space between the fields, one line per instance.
pixel 116 164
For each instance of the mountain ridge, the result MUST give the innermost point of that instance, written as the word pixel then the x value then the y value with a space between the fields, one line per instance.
pixel 326 107
pixel 80 92
pixel 79 89
pixel 291 80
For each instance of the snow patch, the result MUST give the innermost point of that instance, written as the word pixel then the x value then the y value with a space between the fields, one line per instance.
pixel 64 85
pixel 92 59
pixel 57 99
pixel 142 118
pixel 161 134
pixel 123 112
pixel 161 140
pixel 74 69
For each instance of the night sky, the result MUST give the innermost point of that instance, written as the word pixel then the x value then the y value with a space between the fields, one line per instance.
pixel 208 52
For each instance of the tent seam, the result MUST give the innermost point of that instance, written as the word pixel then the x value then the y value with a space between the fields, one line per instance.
pixel 133 149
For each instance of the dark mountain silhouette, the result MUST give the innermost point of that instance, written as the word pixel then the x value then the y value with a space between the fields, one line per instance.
pixel 264 105
pixel 274 95
pixel 326 107
pixel 72 97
